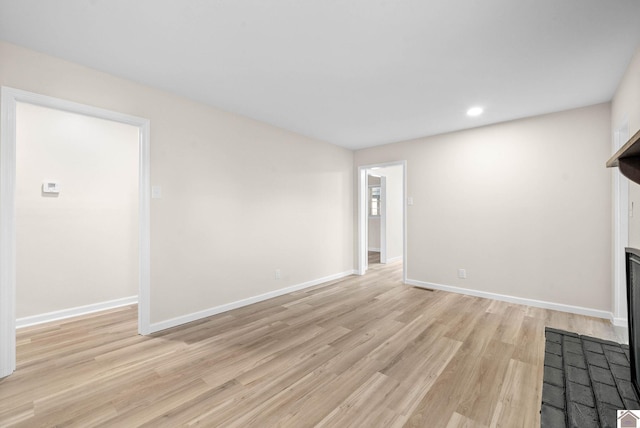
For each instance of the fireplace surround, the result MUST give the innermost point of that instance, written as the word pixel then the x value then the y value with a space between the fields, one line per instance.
pixel 628 160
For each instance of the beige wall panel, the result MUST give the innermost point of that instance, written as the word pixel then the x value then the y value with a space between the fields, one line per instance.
pixel 80 246
pixel 240 198
pixel 523 206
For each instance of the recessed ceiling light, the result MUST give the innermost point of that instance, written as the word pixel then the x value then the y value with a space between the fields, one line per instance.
pixel 475 111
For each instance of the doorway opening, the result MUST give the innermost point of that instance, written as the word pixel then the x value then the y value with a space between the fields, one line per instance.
pixel 375 221
pixel 12 101
pixel 382 215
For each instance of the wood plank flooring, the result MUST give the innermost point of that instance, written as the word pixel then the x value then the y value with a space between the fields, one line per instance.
pixel 363 352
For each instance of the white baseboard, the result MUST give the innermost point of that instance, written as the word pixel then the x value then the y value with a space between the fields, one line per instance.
pixel 512 299
pixel 173 322
pixel 74 312
pixel 621 326
pixel 377 250
pixel 619 322
pixel 394 259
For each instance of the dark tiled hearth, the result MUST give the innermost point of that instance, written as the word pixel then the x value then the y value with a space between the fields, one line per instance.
pixel 585 381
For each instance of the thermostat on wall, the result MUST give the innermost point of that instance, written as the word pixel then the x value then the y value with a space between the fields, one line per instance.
pixel 51 187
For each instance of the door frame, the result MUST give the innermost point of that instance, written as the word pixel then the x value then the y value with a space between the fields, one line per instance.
pixel 621 231
pixel 9 97
pixel 363 216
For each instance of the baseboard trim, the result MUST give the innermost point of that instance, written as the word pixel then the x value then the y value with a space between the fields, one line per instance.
pixel 394 259
pixel 173 322
pixel 74 312
pixel 512 299
pixel 621 326
pixel 619 322
pixel 377 250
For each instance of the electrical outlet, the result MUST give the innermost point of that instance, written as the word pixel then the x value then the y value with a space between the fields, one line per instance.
pixel 156 192
pixel 277 275
pixel 462 273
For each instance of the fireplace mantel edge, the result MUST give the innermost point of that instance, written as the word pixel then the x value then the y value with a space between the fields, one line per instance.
pixel 628 159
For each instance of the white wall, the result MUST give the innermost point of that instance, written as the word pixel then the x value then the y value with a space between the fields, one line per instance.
pixel 394 206
pixel 240 198
pixel 625 109
pixel 79 247
pixel 524 206
pixel 374 233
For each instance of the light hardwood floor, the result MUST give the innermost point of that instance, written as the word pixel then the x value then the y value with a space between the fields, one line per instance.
pixel 362 352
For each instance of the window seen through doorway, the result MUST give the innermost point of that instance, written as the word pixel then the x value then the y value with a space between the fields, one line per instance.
pixel 374 201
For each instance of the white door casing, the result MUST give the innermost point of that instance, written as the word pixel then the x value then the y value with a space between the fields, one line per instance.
pixel 363 216
pixel 621 232
pixel 8 99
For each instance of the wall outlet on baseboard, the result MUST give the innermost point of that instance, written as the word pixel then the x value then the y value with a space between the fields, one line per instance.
pixel 462 273
pixel 278 274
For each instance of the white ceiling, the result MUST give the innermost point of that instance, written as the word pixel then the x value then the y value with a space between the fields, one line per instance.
pixel 356 73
